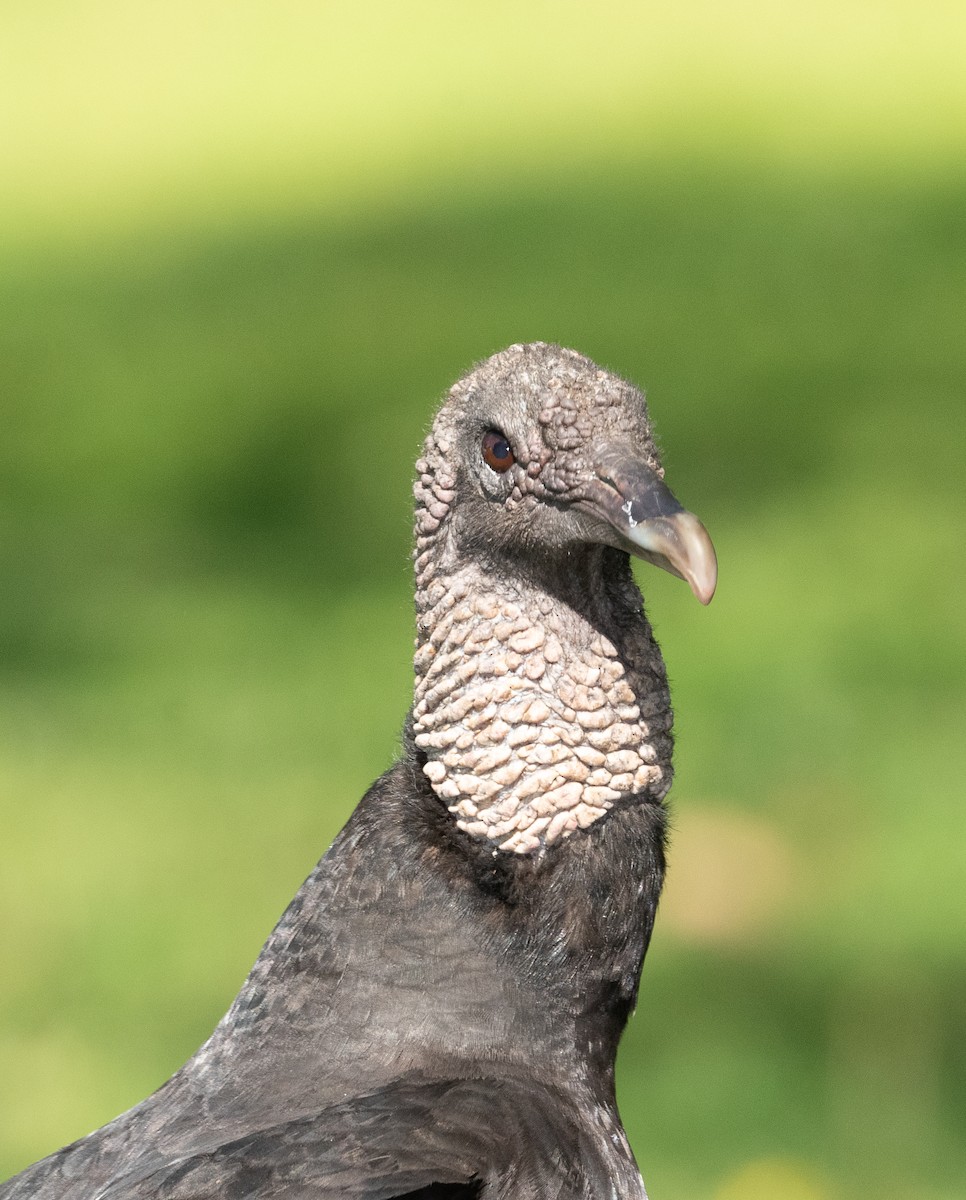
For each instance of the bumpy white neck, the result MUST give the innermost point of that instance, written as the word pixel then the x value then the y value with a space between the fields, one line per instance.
pixel 530 730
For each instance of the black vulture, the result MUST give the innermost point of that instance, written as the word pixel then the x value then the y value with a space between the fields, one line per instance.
pixel 437 1012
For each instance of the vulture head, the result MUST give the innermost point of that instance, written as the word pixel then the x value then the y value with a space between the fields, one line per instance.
pixel 546 452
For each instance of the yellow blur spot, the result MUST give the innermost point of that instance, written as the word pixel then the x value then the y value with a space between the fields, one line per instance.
pixel 731 876
pixel 773 1179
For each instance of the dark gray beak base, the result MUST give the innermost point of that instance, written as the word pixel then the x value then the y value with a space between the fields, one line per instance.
pixel 654 526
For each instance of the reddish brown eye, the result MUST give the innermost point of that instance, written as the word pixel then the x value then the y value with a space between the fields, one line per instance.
pixel 496 452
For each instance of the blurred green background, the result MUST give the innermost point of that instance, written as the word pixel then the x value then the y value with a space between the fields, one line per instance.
pixel 244 249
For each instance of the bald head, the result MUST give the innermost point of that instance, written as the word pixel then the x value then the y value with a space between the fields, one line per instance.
pixel 538 450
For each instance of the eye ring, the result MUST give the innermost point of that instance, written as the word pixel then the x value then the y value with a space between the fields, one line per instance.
pixel 496 451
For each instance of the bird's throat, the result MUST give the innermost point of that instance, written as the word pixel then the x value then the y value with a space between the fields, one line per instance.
pixel 537 717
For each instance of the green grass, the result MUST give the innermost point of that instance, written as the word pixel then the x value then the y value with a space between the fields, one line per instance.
pixel 205 633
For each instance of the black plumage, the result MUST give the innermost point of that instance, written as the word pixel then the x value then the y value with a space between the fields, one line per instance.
pixel 437 1013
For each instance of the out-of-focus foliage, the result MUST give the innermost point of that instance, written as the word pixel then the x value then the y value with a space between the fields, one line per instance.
pixel 209 421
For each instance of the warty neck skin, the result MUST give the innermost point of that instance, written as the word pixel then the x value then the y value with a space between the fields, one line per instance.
pixel 541 700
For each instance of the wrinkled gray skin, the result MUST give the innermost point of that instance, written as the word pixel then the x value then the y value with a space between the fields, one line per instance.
pixel 433 1016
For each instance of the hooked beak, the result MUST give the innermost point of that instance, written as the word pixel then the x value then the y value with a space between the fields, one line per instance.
pixel 643 511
